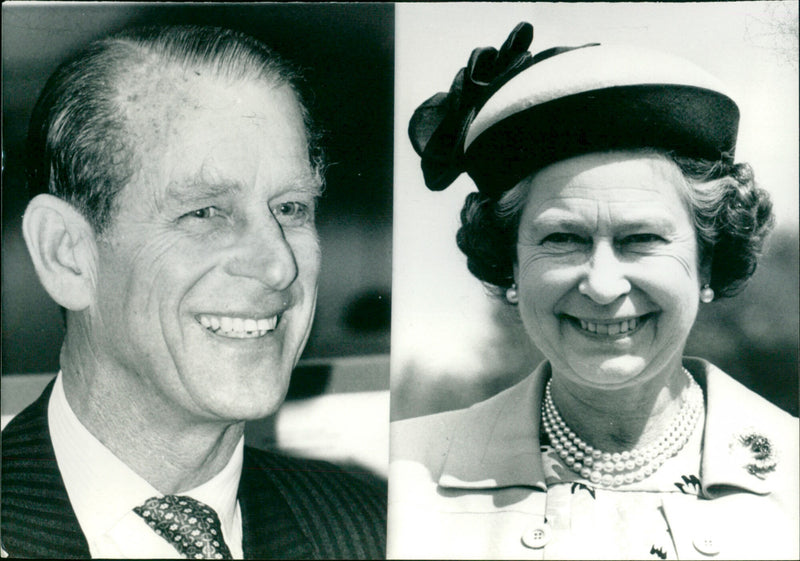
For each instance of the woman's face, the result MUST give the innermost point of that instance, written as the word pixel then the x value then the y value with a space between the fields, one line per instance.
pixel 607 268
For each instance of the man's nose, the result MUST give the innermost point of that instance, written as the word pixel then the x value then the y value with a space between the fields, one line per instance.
pixel 604 280
pixel 264 254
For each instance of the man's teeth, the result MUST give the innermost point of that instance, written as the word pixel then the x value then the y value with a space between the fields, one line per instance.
pixel 238 328
pixel 610 328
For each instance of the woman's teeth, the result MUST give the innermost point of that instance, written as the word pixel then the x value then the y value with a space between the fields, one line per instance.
pixel 238 328
pixel 610 328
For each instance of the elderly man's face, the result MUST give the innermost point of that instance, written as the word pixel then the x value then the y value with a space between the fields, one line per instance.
pixel 208 275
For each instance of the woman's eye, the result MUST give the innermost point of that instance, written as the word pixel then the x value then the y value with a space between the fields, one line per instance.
pixel 563 238
pixel 642 239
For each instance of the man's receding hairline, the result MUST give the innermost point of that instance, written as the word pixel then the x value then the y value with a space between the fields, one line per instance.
pixel 146 107
pixel 157 52
pixel 93 120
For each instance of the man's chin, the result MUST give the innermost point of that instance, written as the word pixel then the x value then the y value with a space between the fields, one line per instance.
pixel 251 406
pixel 238 388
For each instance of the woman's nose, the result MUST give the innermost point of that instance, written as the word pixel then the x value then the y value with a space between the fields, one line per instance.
pixel 264 254
pixel 605 279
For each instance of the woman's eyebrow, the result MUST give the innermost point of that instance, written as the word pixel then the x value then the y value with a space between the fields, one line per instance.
pixel 560 223
pixel 554 217
pixel 559 219
pixel 643 219
pixel 653 223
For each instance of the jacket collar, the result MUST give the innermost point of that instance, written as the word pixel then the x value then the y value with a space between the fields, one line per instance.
pixel 37 517
pixel 270 528
pixel 33 490
pixel 495 443
pixel 734 413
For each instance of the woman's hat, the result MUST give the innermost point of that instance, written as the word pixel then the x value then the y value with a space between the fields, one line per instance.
pixel 509 113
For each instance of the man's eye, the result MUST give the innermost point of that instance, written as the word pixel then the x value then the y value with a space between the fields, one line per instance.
pixel 292 211
pixel 203 213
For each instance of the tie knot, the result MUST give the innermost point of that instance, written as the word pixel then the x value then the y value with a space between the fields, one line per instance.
pixel 192 527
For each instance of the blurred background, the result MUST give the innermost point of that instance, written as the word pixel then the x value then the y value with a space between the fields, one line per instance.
pixel 347 51
pixel 453 344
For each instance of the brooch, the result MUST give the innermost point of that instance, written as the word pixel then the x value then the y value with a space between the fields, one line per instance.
pixel 757 453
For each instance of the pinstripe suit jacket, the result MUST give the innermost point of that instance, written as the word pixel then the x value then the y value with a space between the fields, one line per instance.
pixel 291 508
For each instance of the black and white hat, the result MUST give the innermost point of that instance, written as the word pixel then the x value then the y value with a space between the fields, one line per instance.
pixel 510 113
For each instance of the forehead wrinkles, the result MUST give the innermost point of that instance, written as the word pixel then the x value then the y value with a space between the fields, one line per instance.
pixel 586 201
pixel 597 179
pixel 174 145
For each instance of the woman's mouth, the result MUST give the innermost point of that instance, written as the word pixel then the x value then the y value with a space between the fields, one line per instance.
pixel 237 327
pixel 610 328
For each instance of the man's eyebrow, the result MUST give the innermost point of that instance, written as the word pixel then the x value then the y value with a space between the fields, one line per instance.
pixel 200 190
pixel 311 183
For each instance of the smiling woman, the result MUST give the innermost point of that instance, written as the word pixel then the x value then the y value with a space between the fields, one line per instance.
pixel 609 209
pixel 606 241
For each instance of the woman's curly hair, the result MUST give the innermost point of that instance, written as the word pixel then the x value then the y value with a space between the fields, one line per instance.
pixel 732 218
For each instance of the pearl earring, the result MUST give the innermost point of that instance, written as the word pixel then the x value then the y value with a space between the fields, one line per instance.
pixel 706 294
pixel 511 294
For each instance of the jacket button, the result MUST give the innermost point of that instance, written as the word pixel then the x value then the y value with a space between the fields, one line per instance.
pixel 706 544
pixel 536 537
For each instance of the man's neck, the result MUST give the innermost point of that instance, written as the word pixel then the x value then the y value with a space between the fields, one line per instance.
pixel 171 453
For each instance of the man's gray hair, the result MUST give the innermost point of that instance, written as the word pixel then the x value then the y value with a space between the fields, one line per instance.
pixel 79 145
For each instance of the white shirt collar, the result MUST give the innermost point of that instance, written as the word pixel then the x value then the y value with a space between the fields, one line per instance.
pixel 103 490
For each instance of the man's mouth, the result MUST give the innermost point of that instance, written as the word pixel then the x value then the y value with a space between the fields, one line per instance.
pixel 606 328
pixel 237 327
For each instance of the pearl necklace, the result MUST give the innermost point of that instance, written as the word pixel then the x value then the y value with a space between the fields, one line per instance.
pixel 614 469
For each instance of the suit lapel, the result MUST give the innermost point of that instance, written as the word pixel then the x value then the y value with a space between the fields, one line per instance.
pixel 37 517
pixel 270 529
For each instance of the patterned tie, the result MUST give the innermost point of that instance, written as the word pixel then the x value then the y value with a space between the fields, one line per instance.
pixel 191 527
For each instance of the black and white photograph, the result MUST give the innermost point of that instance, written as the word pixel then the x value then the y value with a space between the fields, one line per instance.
pixel 413 280
pixel 595 294
pixel 196 205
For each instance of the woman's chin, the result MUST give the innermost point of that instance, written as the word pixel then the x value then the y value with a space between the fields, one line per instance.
pixel 610 374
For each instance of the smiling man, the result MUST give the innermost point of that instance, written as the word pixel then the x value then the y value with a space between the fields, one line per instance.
pixel 177 177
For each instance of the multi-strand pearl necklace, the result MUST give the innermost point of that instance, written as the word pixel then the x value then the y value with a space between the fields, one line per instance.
pixel 618 468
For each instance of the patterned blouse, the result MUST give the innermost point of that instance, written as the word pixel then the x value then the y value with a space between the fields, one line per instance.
pixel 626 522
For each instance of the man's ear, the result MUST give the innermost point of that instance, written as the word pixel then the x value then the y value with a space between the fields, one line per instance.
pixel 62 246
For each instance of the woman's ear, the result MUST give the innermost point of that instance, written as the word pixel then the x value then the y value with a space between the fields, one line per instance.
pixel 62 246
pixel 705 261
pixel 705 273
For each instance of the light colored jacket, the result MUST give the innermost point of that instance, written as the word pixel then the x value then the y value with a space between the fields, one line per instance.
pixel 470 483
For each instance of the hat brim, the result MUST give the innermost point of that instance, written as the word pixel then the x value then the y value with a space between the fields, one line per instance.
pixel 687 120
